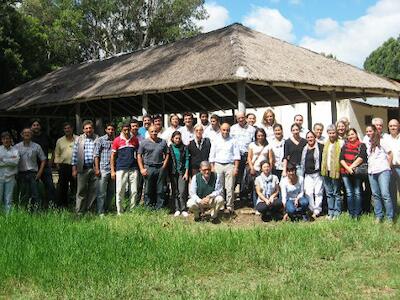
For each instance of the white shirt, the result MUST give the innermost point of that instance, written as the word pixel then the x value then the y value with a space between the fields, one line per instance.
pixel 269 130
pixel 243 135
pixel 224 151
pixel 193 189
pixel 187 135
pixel 260 153
pixel 394 146
pixel 210 133
pixel 160 134
pixel 321 140
pixel 277 148
pixel 303 132
pixel 267 184
pixel 167 134
pixel 9 159
pixel 378 160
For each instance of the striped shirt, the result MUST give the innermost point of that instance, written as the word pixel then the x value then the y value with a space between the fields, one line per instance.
pixel 88 153
pixel 350 152
pixel 102 149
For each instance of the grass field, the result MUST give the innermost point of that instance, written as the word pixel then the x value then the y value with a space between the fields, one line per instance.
pixel 147 255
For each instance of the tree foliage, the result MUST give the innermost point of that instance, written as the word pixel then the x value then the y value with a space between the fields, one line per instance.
pixel 386 59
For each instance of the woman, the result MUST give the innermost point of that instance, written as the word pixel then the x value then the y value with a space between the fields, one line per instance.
pixel 379 161
pixel 352 155
pixel 369 132
pixel 267 189
pixel 311 158
pixel 268 122
pixel 330 170
pixel 179 173
pixel 292 191
pixel 341 132
pixel 293 149
pixel 276 145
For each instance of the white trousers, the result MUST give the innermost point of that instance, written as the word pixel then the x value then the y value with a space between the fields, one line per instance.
pixel 313 188
pixel 216 204
pixel 227 178
pixel 124 178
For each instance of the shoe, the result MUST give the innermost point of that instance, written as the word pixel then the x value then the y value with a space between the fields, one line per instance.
pixel 185 214
pixel 306 218
pixel 197 218
pixel 378 221
pixel 330 218
pixel 177 213
pixel 257 213
pixel 101 216
pixel 215 220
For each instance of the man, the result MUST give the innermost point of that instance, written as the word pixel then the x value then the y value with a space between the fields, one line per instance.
pixel 62 159
pixel 43 140
pixel 153 159
pixel 199 149
pixel 174 126
pixel 83 168
pixel 187 131
pixel 243 134
pixel 157 122
pixel 146 124
pixel 102 169
pixel 298 119
pixel 224 159
pixel 251 119
pixel 318 129
pixel 204 119
pixel 29 172
pixel 140 180
pixel 213 130
pixel 9 158
pixel 393 141
pixel 205 193
pixel 124 167
pixel 378 123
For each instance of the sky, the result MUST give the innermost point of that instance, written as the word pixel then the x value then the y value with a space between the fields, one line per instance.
pixel 348 29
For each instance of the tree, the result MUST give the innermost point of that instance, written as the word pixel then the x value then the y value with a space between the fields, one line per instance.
pixel 386 59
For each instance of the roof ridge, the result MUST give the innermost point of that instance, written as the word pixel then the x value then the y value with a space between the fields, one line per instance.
pixel 238 53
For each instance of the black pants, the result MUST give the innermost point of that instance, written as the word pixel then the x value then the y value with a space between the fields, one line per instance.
pixel 244 188
pixel 65 183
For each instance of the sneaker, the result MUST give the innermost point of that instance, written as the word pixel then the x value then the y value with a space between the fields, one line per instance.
pixel 305 218
pixel 215 220
pixel 101 216
pixel 185 214
pixel 177 213
pixel 330 218
pixel 257 213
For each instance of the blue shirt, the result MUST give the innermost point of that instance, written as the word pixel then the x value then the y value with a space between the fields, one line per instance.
pixel 142 132
pixel 88 153
pixel 102 149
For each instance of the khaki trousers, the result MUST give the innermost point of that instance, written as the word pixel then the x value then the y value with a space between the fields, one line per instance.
pixel 124 178
pixel 216 204
pixel 225 172
pixel 86 190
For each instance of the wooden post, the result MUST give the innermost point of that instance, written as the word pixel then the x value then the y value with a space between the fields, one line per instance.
pixel 333 108
pixel 48 126
pixel 78 120
pixel 309 115
pixel 398 117
pixel 241 93
pixel 145 105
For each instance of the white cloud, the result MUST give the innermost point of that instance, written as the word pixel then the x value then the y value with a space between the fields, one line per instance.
pixel 352 41
pixel 218 16
pixel 295 2
pixel 271 22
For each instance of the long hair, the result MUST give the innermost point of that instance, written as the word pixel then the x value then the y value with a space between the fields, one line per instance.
pixel 261 130
pixel 375 139
pixel 267 111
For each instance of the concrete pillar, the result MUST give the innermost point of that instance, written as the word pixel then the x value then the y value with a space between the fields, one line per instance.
pixel 145 105
pixel 333 108
pixel 241 92
pixel 309 115
pixel 78 119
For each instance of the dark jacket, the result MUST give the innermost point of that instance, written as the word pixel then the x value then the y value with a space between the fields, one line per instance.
pixel 183 150
pixel 197 155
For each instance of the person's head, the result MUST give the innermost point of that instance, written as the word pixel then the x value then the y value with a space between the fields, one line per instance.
pixel 251 119
pixel 205 169
pixel 225 130
pixel 346 122
pixel 291 171
pixel 295 130
pixel 318 129
pixel 146 121
pixel 214 121
pixel 311 138
pixel 332 134
pixel 278 132
pixel 134 127
pixel 26 134
pixel 393 126
pixel 68 129
pixel 198 131
pixel 36 127
pixel 176 138
pixel 378 123
pixel 260 136
pixel 87 127
pixel 375 138
pixel 126 128
pixel 265 167
pixel 298 119
pixel 369 131
pixel 153 132
pixel 174 120
pixel 188 119
pixel 268 117
pixel 352 135
pixel 204 118
pixel 110 129
pixel 6 139
pixel 157 121
pixel 241 118
pixel 341 128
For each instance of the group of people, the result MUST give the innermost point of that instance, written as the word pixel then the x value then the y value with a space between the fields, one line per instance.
pixel 197 167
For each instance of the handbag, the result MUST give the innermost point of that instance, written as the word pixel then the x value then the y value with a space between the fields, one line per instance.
pixel 361 170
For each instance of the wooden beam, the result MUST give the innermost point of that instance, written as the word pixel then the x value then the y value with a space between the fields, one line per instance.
pixel 333 108
pixel 208 99
pixel 230 89
pixel 193 100
pixel 258 95
pixel 241 96
pixel 161 97
pixel 178 102
pixel 222 96
pixel 280 94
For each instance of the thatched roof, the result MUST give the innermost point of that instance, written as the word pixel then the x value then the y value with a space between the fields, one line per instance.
pixel 181 73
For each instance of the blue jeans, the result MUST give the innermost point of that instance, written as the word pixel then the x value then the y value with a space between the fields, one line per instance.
pixel 6 193
pixel 332 189
pixel 381 193
pixel 105 191
pixel 352 185
pixel 28 190
pixel 292 210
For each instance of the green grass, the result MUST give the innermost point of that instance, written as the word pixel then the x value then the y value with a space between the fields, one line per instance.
pixel 147 255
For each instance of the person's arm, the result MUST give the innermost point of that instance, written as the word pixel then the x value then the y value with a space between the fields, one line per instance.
pixel 97 166
pixel 260 193
pixel 57 154
pixel 274 195
pixel 283 191
pixel 97 152
pixel 250 161
pixel 41 169
pixel 74 160
pixel 143 171
pixel 12 161
pixel 211 157
pixel 187 160
pixel 271 158
pixel 348 168
pixel 193 191
pixel 112 164
pixel 285 158
pixel 218 188
pixel 236 157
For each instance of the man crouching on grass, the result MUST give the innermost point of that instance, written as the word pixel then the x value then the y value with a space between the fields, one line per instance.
pixel 205 193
